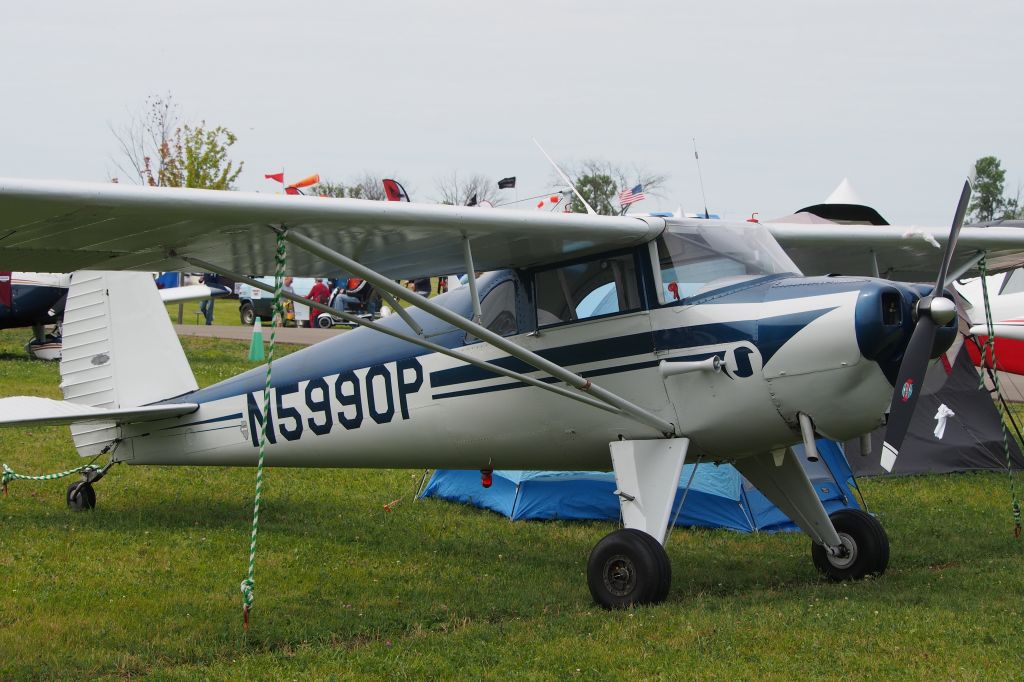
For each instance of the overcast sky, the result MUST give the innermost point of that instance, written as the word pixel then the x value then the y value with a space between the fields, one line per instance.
pixel 785 99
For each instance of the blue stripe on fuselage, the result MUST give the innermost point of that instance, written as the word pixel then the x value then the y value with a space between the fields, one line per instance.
pixel 361 348
pixel 767 334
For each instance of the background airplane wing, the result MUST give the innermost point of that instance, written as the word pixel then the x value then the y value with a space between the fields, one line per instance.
pixel 65 226
pixel 910 254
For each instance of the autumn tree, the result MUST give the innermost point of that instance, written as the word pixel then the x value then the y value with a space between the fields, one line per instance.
pixel 142 138
pixel 160 151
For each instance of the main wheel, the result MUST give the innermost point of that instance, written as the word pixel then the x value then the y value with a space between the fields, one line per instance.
pixel 626 569
pixel 81 496
pixel 866 547
pixel 247 313
pixel 666 564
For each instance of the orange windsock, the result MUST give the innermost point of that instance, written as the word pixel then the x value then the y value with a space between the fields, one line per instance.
pixel 305 182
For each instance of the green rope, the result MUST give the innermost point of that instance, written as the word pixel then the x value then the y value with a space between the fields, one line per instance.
pixel 248 585
pixel 988 357
pixel 9 475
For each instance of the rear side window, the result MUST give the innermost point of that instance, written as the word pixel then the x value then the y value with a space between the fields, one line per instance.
pixel 602 286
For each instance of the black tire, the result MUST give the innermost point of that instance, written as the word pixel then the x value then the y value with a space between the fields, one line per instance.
pixel 247 313
pixel 325 321
pixel 81 496
pixel 868 547
pixel 625 570
pixel 666 564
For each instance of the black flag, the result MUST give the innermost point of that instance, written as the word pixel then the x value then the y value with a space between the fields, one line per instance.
pixel 507 183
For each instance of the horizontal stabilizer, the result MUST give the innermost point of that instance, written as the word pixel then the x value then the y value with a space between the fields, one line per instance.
pixel 25 410
pixel 192 292
pixel 1003 330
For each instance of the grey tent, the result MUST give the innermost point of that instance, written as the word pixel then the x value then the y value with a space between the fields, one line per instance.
pixel 973 440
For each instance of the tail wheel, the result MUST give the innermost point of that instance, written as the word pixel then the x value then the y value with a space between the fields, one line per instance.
pixel 865 547
pixel 81 496
pixel 628 568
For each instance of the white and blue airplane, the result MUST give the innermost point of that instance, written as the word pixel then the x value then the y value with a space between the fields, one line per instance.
pixel 632 343
pixel 36 300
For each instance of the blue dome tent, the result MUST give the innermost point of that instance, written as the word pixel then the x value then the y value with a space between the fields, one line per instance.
pixel 719 496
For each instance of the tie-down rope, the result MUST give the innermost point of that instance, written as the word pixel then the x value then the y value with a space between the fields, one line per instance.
pixel 248 585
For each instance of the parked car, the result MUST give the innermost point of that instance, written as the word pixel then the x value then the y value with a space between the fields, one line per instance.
pixel 253 303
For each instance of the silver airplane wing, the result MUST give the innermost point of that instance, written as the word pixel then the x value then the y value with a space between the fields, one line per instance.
pixel 69 226
pixel 909 254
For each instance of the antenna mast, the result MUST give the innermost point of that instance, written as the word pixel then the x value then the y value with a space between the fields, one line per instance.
pixel 565 177
pixel 700 178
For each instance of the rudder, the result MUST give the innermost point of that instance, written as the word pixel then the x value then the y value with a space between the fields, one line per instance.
pixel 119 350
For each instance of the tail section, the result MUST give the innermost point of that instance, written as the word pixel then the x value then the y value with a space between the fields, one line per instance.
pixel 120 351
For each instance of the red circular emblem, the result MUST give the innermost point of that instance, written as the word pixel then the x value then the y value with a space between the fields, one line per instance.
pixel 908 390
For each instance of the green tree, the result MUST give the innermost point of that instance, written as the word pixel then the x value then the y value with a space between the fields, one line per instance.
pixel 598 189
pixel 197 157
pixel 600 182
pixel 988 202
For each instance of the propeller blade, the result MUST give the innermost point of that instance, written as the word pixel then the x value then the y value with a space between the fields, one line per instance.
pixel 910 381
pixel 908 388
pixel 954 233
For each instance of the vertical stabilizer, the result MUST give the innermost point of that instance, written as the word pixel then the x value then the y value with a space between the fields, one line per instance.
pixel 119 350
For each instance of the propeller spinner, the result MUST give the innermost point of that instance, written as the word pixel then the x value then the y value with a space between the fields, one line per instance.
pixel 932 311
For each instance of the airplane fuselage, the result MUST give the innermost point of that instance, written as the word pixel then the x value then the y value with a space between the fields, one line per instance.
pixel 26 298
pixel 788 345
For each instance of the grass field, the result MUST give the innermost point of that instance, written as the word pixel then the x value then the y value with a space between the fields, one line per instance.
pixel 147 584
pixel 225 311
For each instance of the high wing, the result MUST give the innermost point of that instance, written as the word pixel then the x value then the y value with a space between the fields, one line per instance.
pixel 69 226
pixel 901 253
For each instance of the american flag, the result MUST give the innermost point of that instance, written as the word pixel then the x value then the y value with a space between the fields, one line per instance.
pixel 631 196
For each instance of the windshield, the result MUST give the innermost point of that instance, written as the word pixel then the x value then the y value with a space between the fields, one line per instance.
pixel 698 256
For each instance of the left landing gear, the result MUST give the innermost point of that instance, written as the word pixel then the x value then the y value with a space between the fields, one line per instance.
pixel 628 568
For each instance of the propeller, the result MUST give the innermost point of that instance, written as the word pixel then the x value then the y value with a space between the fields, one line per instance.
pixel 933 311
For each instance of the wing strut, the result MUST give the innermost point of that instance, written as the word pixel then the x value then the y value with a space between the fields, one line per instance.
pixel 486 335
pixel 352 319
pixel 478 315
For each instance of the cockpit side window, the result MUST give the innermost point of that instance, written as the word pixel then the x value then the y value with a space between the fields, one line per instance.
pixel 602 286
pixel 498 311
pixel 691 259
pixel 685 266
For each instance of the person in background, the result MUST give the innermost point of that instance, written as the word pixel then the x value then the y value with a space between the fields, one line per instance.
pixel 422 286
pixel 206 305
pixel 320 293
pixel 289 306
